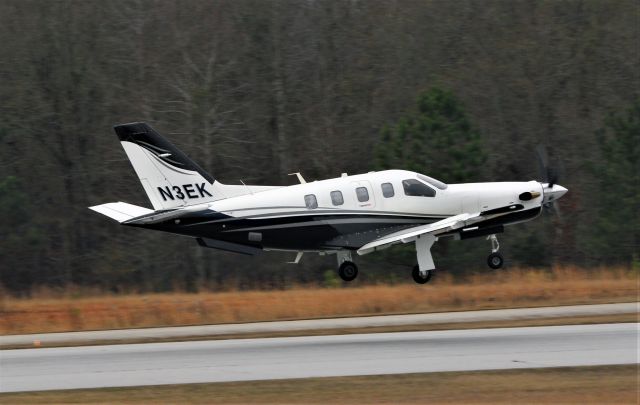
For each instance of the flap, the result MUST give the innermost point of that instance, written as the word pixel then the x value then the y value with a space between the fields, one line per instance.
pixel 409 235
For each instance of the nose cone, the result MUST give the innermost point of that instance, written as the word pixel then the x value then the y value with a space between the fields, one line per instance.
pixel 559 191
pixel 553 193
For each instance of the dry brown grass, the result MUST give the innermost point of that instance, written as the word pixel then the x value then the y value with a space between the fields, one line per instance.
pixel 569 385
pixel 513 288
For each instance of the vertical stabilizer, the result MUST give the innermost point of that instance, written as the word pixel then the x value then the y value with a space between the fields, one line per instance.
pixel 170 179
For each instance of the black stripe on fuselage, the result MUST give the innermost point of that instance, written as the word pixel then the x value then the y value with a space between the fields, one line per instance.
pixel 511 218
pixel 315 231
pixel 316 212
pixel 299 232
pixel 336 222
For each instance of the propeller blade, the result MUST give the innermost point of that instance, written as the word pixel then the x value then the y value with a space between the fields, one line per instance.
pixel 552 176
pixel 543 163
pixel 557 211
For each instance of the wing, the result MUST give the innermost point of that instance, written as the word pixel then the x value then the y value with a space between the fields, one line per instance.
pixel 410 235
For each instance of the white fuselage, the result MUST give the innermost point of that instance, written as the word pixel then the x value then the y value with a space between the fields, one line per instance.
pixel 361 213
pixel 453 200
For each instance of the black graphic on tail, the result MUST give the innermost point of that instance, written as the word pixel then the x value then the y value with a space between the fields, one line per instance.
pixel 146 137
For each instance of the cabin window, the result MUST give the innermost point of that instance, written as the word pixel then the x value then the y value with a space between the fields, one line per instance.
pixel 362 193
pixel 415 188
pixel 336 197
pixel 387 190
pixel 310 201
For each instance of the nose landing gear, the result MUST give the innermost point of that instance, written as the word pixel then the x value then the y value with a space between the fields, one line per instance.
pixel 495 259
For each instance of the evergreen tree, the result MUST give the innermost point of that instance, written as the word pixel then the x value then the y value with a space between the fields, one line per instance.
pixel 18 232
pixel 437 139
pixel 617 175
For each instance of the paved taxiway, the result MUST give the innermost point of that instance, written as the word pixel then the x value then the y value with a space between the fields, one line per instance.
pixel 317 356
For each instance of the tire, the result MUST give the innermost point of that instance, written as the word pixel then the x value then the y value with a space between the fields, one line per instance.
pixel 419 278
pixel 495 260
pixel 348 271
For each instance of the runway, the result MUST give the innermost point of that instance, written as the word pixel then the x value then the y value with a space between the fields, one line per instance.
pixel 183 332
pixel 317 356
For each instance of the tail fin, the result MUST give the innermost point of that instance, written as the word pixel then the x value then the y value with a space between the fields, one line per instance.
pixel 170 179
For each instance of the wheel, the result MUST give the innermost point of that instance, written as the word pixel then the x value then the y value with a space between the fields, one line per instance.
pixel 495 260
pixel 348 271
pixel 419 278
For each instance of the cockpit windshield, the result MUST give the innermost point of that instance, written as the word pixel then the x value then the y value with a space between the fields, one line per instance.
pixel 436 183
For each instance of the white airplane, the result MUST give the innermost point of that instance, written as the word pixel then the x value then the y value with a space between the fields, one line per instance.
pixel 360 213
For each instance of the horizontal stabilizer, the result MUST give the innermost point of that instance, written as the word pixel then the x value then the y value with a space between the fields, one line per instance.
pixel 160 216
pixel 120 211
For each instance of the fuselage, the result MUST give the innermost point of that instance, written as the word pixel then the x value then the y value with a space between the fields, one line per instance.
pixel 349 211
pixel 362 213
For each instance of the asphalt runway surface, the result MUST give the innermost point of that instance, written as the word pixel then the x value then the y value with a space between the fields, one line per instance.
pixel 317 356
pixel 181 332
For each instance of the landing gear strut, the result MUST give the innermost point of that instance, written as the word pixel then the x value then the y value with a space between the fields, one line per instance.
pixel 347 269
pixel 423 271
pixel 421 277
pixel 495 259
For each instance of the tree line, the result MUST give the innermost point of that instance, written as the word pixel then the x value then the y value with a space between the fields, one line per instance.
pixel 253 90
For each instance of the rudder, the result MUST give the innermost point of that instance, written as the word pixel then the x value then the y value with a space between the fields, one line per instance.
pixel 170 179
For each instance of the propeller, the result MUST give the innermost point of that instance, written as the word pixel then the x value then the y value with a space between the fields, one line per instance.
pixel 549 175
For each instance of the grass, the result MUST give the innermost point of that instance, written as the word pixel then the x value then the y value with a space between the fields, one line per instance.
pixel 584 385
pixel 498 289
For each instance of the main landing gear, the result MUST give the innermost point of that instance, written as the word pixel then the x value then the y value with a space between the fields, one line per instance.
pixel 495 259
pixel 423 271
pixel 421 277
pixel 348 271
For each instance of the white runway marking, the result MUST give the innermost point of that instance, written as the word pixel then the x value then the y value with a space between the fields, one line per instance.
pixel 317 356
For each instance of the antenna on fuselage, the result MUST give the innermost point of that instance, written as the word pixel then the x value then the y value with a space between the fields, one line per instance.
pixel 300 178
pixel 248 188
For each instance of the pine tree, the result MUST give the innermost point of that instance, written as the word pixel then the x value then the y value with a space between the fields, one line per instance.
pixel 617 175
pixel 437 140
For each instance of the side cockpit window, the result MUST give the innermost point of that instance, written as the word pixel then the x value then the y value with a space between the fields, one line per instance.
pixel 387 190
pixel 415 188
pixel 310 201
pixel 362 194
pixel 432 181
pixel 336 197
